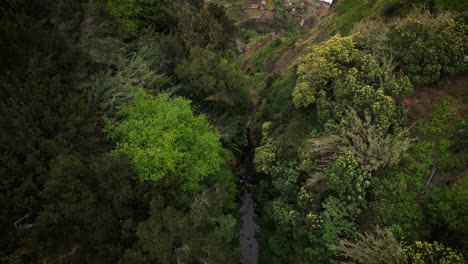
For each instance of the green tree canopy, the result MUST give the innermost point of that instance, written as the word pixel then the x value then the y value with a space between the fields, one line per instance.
pixel 430 48
pixel 133 15
pixel 335 76
pixel 347 180
pixel 211 78
pixel 163 138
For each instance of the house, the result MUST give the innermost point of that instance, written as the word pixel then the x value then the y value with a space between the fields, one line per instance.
pixel 264 2
pixel 302 22
pixel 302 4
pixel 288 3
pixel 255 6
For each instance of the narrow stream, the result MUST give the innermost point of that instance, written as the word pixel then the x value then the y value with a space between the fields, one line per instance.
pixel 248 243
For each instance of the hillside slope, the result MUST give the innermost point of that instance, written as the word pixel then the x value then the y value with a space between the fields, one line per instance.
pixel 364 124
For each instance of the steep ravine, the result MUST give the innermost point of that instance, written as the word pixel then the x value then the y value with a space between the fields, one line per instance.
pixel 248 243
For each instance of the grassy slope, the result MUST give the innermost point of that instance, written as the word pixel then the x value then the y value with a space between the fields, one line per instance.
pixel 345 14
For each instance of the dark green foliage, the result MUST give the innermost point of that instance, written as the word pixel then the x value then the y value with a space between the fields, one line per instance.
pixel 64 202
pixel 335 157
pixel 141 71
pixel 217 87
pixel 39 111
pixel 430 48
pixel 133 16
pixel 338 220
pixel 448 207
pixel 58 201
pixel 200 30
pixel 454 5
pixel 400 191
pixel 211 79
pixel 278 100
pixel 73 197
pixel 172 234
pixel 393 8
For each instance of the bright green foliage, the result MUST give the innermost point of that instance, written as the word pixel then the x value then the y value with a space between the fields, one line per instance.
pixel 430 48
pixel 324 64
pixel 334 77
pixel 213 80
pixel 178 205
pixel 265 154
pixel 163 138
pixel 449 206
pixel 347 180
pixel 446 133
pixel 432 253
pixel 364 98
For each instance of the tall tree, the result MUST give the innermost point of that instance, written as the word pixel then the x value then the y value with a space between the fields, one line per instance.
pixel 166 141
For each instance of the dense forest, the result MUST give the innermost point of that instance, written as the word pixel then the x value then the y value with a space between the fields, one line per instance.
pixel 139 131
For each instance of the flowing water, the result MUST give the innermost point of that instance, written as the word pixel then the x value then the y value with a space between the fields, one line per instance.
pixel 248 243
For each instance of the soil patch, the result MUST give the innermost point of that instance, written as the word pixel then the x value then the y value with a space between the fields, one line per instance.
pixel 420 103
